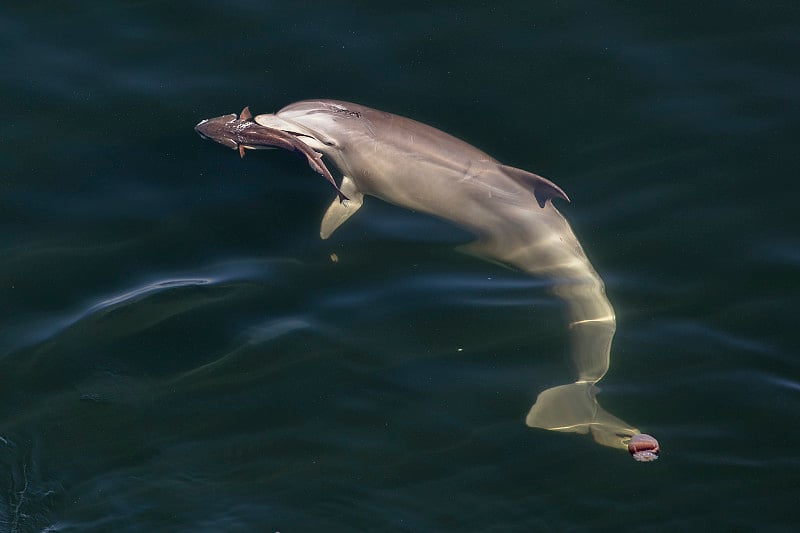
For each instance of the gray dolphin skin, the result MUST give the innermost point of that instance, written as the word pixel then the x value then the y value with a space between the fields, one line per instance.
pixel 509 211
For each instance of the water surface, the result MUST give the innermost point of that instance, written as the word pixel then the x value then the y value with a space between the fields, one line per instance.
pixel 179 353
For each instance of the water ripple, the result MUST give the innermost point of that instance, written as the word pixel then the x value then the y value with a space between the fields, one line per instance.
pixel 217 274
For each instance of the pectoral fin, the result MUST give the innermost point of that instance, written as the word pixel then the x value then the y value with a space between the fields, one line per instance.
pixel 341 210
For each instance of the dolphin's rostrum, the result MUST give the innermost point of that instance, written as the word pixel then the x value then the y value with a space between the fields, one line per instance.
pixel 510 211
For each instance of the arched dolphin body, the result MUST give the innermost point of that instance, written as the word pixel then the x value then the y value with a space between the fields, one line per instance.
pixel 509 210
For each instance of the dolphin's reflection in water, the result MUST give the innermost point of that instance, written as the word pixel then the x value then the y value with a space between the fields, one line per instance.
pixel 509 210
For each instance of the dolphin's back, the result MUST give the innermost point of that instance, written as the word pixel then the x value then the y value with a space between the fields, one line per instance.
pixel 382 126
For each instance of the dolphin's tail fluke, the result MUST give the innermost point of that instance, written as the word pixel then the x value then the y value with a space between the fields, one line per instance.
pixel 574 408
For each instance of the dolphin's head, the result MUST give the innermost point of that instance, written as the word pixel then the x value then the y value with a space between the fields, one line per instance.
pixel 325 125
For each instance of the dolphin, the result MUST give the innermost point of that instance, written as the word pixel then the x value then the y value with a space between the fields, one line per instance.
pixel 510 212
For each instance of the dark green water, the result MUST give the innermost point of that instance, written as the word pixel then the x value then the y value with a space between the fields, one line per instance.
pixel 179 353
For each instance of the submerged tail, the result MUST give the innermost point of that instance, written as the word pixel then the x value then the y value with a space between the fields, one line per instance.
pixel 574 408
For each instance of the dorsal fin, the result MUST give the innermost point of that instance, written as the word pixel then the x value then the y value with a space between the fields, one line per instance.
pixel 244 115
pixel 543 188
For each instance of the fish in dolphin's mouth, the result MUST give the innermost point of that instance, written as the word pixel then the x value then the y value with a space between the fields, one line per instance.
pixel 243 132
